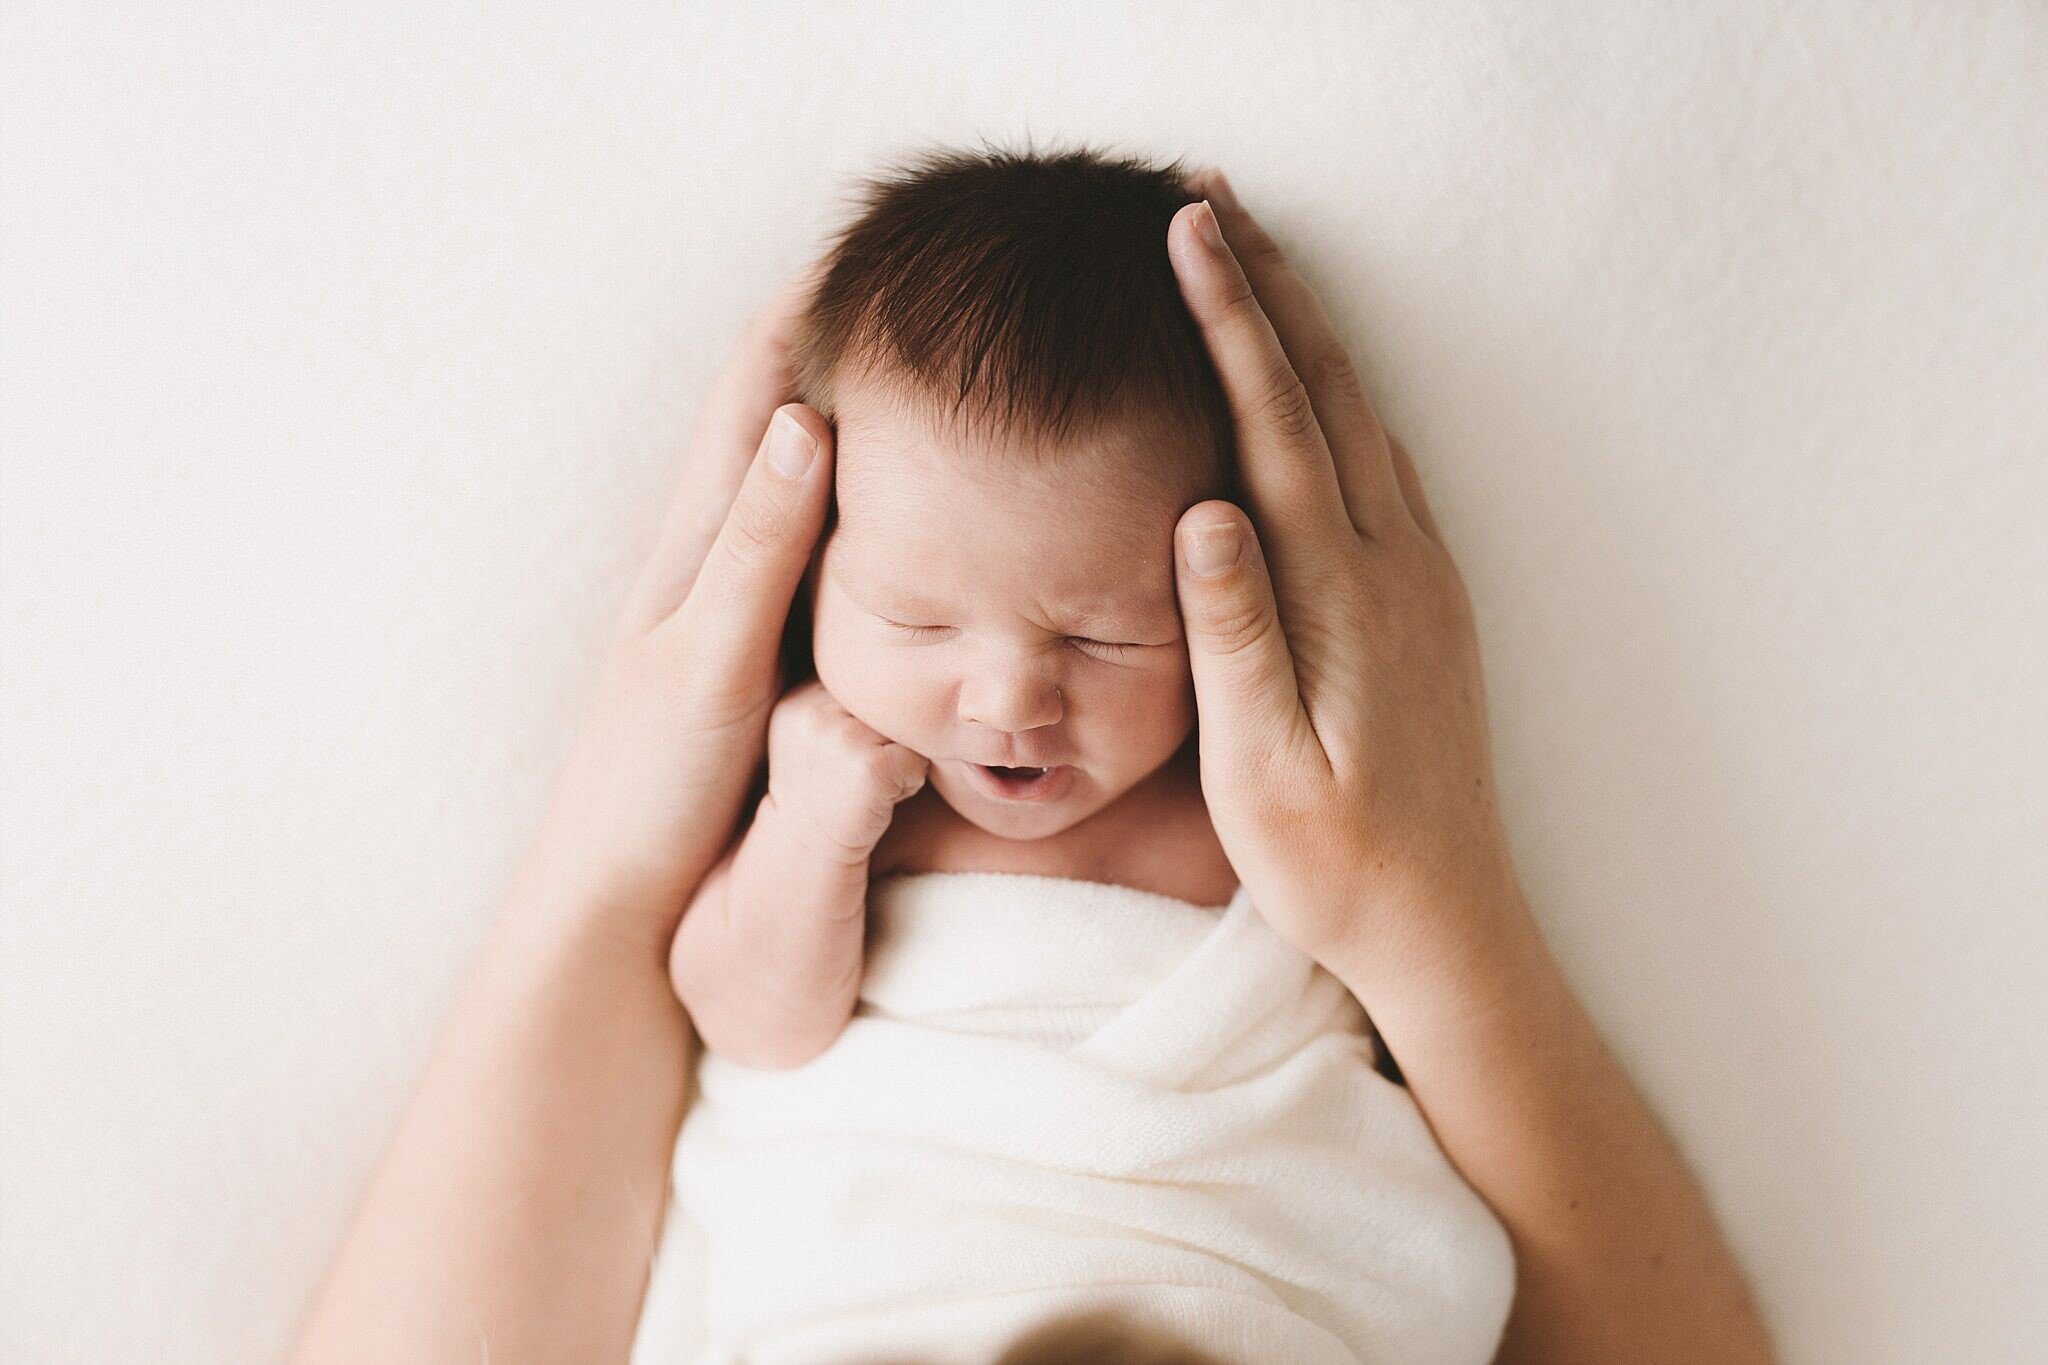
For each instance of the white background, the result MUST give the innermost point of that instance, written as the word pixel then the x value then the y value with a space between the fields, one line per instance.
pixel 348 358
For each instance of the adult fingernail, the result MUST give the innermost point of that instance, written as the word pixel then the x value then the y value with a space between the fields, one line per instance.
pixel 1205 224
pixel 790 447
pixel 1212 549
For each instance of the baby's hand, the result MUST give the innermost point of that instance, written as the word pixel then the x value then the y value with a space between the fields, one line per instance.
pixel 833 782
pixel 769 956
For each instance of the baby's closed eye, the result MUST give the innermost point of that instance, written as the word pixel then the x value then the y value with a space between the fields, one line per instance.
pixel 1113 649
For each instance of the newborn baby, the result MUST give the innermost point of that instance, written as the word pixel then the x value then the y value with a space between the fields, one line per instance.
pixel 990 1024
pixel 1002 685
pixel 1002 680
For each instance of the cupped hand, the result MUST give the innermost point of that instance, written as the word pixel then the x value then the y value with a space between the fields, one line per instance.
pixel 1345 756
pixel 652 788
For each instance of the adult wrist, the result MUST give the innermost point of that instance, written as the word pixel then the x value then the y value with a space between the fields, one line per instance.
pixel 557 898
pixel 1447 942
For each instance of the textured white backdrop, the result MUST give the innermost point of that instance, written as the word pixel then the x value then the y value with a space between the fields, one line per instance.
pixel 347 358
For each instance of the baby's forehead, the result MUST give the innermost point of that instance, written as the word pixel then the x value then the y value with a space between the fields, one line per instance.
pixel 884 489
pixel 1137 475
pixel 887 439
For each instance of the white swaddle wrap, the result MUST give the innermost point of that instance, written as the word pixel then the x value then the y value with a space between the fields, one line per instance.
pixel 1055 1096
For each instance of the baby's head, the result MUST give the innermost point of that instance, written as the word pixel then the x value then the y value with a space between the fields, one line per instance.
pixel 1023 408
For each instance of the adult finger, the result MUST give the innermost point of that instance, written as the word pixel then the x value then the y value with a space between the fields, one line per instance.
pixel 1411 488
pixel 1282 458
pixel 729 428
pixel 1246 690
pixel 1358 443
pixel 739 603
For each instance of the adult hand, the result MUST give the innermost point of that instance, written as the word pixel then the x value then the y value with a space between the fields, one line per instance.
pixel 522 1197
pixel 1343 720
pixel 1348 771
pixel 652 788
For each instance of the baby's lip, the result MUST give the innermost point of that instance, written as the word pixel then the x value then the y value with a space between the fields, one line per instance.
pixel 979 764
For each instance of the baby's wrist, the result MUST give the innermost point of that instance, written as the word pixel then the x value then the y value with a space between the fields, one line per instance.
pixel 784 973
pixel 798 834
pixel 777 904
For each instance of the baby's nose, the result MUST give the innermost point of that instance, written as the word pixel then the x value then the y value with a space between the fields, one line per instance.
pixel 1011 701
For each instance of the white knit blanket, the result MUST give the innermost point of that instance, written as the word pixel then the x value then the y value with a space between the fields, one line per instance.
pixel 1057 1096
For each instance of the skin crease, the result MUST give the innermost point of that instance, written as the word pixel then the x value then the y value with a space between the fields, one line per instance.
pixel 979 603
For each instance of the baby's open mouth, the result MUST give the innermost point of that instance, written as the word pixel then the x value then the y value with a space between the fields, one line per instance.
pixel 1022 784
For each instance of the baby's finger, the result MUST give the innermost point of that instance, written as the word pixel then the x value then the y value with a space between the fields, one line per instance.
pixel 858 809
pixel 728 430
pixel 908 770
pixel 739 604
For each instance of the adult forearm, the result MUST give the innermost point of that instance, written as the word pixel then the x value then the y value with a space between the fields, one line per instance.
pixel 516 1211
pixel 1618 1257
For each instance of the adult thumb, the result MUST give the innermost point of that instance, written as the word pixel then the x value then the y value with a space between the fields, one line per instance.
pixel 1245 685
pixel 740 601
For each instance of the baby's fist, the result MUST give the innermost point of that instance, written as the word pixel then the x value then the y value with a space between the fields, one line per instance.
pixel 833 780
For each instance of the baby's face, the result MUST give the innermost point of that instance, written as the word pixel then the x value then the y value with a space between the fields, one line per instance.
pixel 983 616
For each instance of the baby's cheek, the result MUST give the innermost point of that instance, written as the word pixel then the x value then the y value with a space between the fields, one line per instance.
pixel 863 679
pixel 1165 712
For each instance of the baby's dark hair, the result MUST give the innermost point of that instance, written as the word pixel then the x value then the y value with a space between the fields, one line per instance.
pixel 1098 1336
pixel 1018 293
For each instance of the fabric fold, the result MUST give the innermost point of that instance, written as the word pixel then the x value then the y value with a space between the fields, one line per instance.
pixel 1057 1095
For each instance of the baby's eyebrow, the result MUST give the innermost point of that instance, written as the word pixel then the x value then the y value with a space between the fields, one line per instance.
pixel 1123 623
pixel 906 604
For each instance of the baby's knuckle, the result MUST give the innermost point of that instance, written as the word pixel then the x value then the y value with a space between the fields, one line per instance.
pixel 792 719
pixel 878 768
pixel 822 716
pixel 833 761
